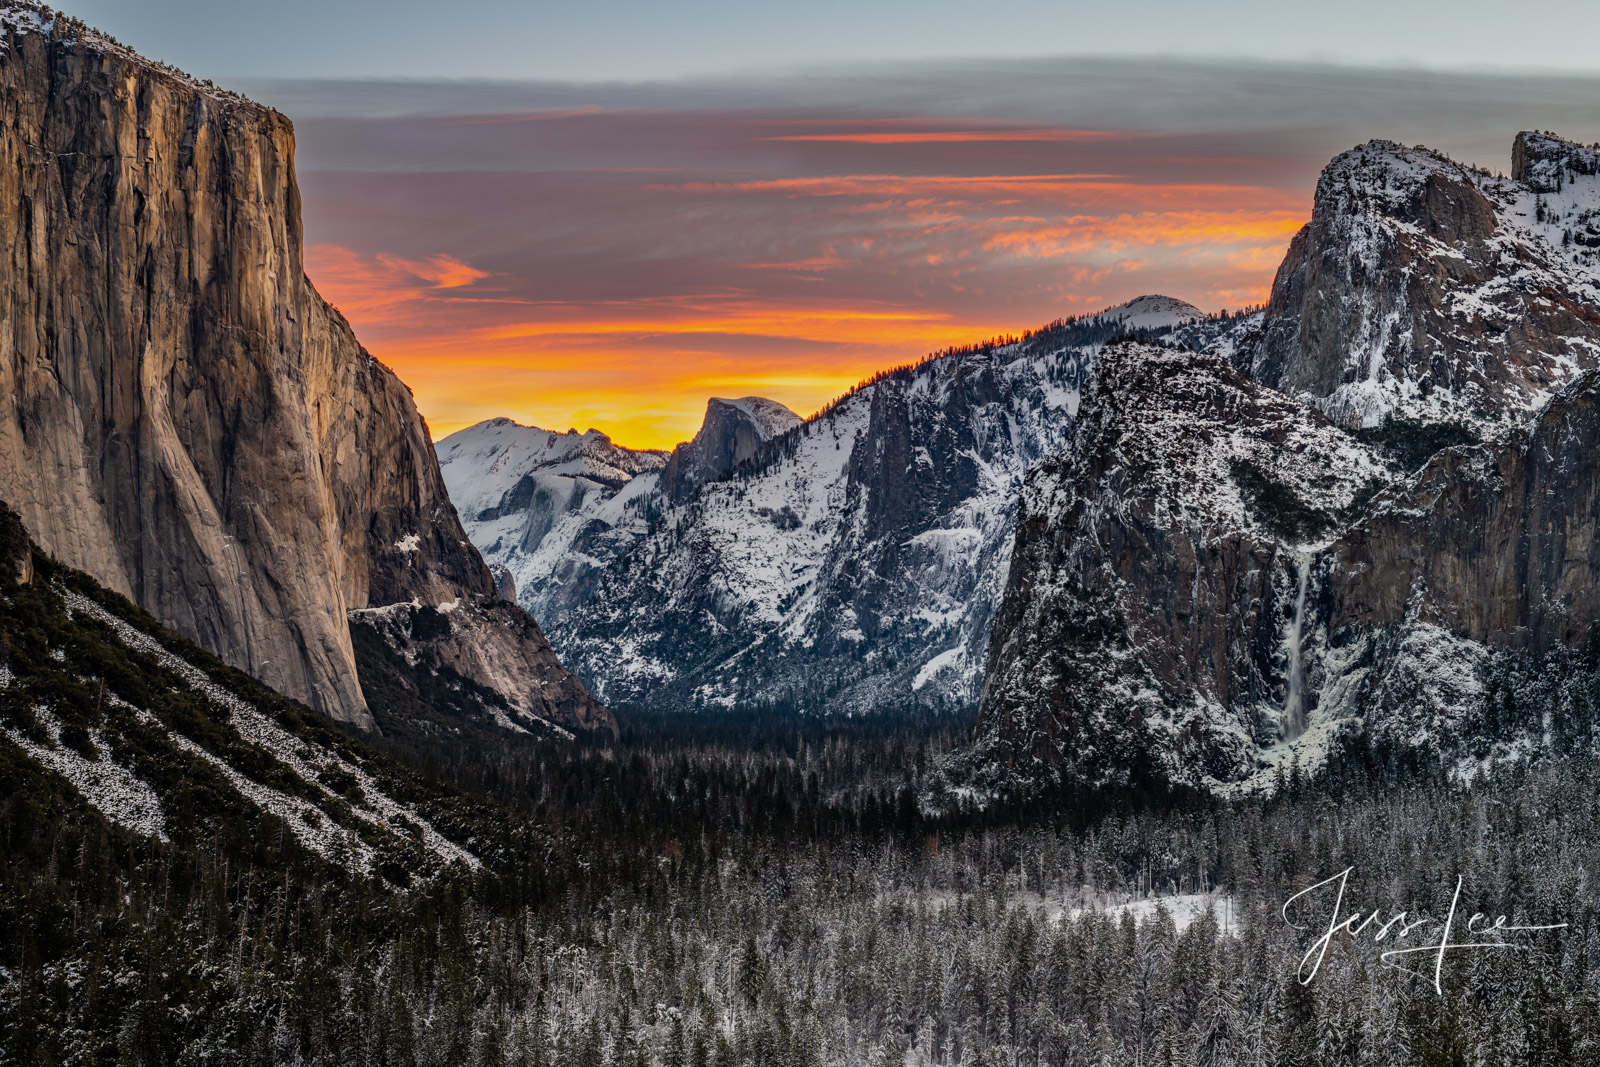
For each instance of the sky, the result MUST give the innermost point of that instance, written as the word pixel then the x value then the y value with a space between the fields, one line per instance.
pixel 602 214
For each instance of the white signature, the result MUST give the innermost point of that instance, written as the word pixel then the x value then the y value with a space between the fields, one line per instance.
pixel 1400 926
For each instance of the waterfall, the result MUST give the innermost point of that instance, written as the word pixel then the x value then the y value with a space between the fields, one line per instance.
pixel 1294 714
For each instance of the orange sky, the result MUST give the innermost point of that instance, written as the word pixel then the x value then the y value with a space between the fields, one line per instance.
pixel 622 297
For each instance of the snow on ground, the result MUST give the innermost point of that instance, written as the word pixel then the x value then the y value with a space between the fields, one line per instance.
pixel 1054 908
pixel 377 809
pixel 111 788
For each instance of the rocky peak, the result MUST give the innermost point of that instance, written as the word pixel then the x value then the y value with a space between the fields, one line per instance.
pixel 1212 581
pixel 731 434
pixel 1425 291
pixel 1546 164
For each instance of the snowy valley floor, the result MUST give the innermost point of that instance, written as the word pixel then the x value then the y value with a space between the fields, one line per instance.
pixel 761 891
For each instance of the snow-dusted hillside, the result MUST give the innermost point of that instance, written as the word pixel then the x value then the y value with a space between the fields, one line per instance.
pixel 855 563
pixel 142 724
pixel 1153 312
pixel 549 508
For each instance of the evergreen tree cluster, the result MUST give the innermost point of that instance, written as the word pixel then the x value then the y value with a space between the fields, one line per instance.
pixel 754 889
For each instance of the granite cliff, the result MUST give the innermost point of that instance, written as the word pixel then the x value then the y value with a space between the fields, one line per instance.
pixel 1426 291
pixel 183 417
pixel 1369 508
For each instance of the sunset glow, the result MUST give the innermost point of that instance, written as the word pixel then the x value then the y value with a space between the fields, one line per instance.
pixel 785 257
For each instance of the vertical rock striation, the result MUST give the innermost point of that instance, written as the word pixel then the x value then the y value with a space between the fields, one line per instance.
pixel 181 415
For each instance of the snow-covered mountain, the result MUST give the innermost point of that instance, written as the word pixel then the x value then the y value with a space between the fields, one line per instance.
pixel 1372 508
pixel 550 510
pixel 1153 312
pixel 1149 625
pixel 1429 292
pixel 855 561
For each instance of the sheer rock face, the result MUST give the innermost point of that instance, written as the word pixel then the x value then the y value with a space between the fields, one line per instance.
pixel 1164 603
pixel 731 434
pixel 181 415
pixel 1432 292
pixel 1155 570
pixel 1498 544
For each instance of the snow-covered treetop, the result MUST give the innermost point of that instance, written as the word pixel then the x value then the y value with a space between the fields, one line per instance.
pixel 1152 312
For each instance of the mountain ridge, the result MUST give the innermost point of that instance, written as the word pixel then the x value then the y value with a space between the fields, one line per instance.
pixel 1132 650
pixel 853 563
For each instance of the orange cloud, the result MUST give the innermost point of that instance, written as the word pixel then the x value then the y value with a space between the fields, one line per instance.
pixel 372 285
pixel 954 136
pixel 1222 231
pixel 895 265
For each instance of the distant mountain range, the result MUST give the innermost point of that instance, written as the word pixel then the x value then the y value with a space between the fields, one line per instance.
pixel 1241 539
pixel 848 563
pixel 550 510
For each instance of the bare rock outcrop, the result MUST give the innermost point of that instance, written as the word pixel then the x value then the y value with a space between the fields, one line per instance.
pixel 731 433
pixel 1426 291
pixel 181 415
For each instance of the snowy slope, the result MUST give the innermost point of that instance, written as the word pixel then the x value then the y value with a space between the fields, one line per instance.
pixel 1153 313
pixel 161 716
pixel 855 564
pixel 550 508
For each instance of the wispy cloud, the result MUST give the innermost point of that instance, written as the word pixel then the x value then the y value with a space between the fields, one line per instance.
pixel 609 255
